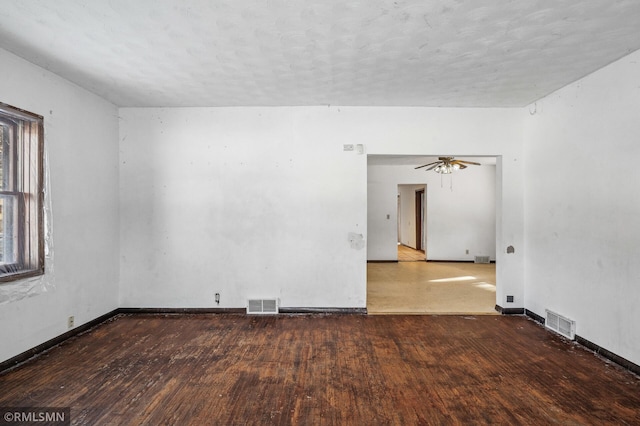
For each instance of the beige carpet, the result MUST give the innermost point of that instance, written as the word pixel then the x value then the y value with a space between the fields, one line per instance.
pixel 431 288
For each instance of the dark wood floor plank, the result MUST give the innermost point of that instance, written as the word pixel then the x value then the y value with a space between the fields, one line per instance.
pixel 324 369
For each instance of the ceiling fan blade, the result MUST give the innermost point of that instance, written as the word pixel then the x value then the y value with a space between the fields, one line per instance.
pixel 466 162
pixel 425 165
pixel 434 165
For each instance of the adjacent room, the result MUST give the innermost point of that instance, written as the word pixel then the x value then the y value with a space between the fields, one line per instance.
pixel 432 235
pixel 197 199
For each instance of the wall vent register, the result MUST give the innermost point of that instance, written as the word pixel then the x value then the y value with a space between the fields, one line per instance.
pixel 262 306
pixel 561 325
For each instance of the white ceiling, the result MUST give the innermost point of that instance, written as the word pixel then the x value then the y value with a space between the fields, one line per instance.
pixel 337 52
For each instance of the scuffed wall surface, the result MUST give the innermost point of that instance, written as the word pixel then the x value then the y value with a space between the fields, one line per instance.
pixel 582 206
pixel 265 202
pixel 81 132
pixel 245 202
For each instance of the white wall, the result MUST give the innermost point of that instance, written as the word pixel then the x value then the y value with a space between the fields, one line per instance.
pixel 81 132
pixel 260 202
pixel 406 216
pixel 460 212
pixel 382 201
pixel 583 203
pixel 245 202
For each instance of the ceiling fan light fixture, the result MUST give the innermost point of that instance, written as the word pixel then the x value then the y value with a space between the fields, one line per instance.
pixel 446 165
pixel 444 169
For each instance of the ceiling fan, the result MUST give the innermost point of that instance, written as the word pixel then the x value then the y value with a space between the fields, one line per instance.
pixel 446 165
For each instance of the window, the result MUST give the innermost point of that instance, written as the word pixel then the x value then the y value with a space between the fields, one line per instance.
pixel 21 194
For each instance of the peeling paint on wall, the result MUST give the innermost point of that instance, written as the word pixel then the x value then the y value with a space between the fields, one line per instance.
pixel 356 241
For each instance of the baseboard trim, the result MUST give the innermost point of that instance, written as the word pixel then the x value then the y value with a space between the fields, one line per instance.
pixel 623 362
pixel 282 310
pixel 509 311
pixel 43 347
pixel 382 261
pixel 534 316
pixel 182 310
pixel 339 311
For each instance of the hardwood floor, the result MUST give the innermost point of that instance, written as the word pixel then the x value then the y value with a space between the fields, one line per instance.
pixel 324 369
pixel 407 254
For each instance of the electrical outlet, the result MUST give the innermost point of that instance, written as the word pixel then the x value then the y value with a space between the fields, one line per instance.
pixel 510 299
pixel 217 298
pixel 70 322
pixel 467 251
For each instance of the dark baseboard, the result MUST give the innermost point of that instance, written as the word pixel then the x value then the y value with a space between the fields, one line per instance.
pixel 182 310
pixel 382 261
pixel 534 316
pixel 282 310
pixel 340 311
pixel 625 363
pixel 26 355
pixel 509 311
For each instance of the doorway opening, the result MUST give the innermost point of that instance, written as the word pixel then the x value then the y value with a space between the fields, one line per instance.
pixel 448 225
pixel 411 222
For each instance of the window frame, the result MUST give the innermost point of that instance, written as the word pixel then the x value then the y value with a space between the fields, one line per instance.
pixel 21 157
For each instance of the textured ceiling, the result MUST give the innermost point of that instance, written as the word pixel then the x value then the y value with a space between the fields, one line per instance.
pixel 338 52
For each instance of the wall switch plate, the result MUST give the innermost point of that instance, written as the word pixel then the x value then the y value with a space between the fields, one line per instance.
pixel 70 322
pixel 348 147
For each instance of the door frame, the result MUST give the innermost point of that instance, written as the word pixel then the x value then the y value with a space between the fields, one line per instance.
pixel 420 193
